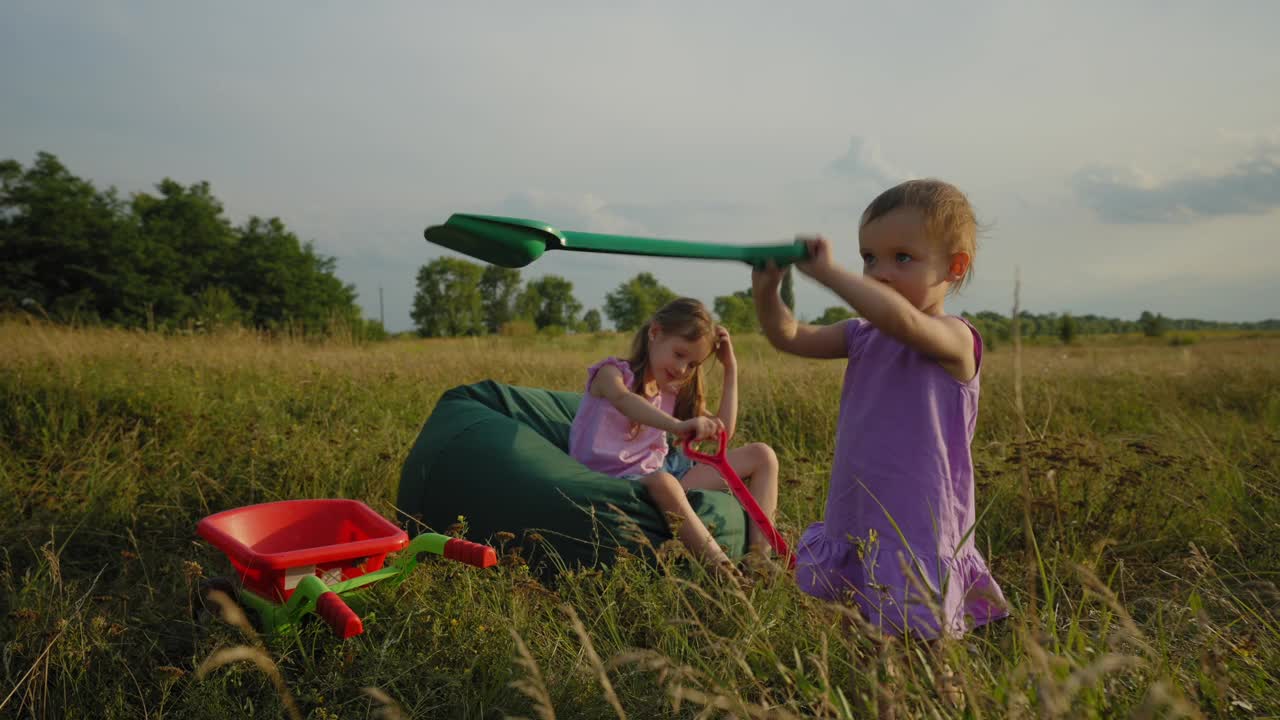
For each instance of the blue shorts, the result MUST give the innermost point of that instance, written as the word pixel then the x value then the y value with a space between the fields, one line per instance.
pixel 677 463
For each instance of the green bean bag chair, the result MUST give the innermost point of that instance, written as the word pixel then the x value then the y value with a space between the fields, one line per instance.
pixel 497 455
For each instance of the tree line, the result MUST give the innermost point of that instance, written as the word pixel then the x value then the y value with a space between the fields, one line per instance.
pixel 996 328
pixel 460 297
pixel 168 259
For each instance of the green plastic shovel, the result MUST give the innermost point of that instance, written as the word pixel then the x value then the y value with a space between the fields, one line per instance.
pixel 516 242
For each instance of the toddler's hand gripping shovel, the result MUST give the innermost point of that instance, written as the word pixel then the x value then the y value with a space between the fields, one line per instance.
pixel 720 462
pixel 516 242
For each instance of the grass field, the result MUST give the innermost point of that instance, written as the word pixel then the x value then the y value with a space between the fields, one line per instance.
pixel 1131 513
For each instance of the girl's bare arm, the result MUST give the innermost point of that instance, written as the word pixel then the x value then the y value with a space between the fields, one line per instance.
pixel 608 384
pixel 945 339
pixel 784 333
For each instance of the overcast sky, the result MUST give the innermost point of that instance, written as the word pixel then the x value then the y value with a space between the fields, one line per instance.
pixel 1126 156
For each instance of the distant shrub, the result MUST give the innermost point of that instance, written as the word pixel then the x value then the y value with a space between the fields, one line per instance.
pixel 1067 329
pixel 1152 325
pixel 518 328
pixel 833 315
pixel 1182 339
pixel 370 330
pixel 215 309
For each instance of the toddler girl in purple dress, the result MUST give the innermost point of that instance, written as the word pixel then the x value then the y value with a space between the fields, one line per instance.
pixel 897 534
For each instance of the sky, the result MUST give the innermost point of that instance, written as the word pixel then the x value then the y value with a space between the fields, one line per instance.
pixel 1121 156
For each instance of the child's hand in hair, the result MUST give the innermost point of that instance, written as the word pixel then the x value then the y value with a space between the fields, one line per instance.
pixel 697 429
pixel 724 348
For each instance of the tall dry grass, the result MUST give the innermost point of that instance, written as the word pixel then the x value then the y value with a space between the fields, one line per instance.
pixel 1139 553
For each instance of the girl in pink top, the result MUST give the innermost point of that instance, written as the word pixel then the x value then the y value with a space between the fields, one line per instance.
pixel 630 405
pixel 898 529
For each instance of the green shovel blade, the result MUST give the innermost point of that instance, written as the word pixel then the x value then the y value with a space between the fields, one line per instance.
pixel 509 242
pixel 516 242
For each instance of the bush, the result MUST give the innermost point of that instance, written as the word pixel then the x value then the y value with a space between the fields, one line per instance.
pixel 1152 325
pixel 1067 330
pixel 372 330
pixel 518 328
pixel 833 315
pixel 215 309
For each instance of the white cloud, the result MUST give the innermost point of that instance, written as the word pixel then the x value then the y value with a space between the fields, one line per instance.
pixel 1129 195
pixel 864 162
pixel 585 212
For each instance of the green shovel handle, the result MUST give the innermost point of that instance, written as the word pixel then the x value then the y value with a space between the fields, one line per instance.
pixel 757 256
pixel 516 242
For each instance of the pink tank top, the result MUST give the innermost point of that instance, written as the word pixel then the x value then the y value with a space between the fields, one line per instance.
pixel 604 440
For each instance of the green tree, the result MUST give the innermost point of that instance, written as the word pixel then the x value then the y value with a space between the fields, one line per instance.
pixel 372 330
pixel 591 321
pixel 833 315
pixel 279 281
pixel 188 245
pixel 635 301
pixel 549 301
pixel 1028 324
pixel 171 257
pixel 498 289
pixel 1067 329
pixel 66 246
pixel 448 300
pixel 993 327
pixel 215 308
pixel 1151 325
pixel 737 312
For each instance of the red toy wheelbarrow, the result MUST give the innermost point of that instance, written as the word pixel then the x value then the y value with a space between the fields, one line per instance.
pixel 720 462
pixel 296 557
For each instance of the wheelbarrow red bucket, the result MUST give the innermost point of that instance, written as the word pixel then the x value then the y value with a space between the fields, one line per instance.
pixel 296 556
pixel 274 545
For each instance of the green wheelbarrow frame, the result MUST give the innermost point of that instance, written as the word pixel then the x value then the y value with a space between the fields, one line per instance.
pixel 313 595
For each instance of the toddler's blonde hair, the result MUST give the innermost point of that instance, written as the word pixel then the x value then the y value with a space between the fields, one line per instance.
pixel 949 219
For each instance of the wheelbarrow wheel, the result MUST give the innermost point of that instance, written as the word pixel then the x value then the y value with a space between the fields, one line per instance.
pixel 206 609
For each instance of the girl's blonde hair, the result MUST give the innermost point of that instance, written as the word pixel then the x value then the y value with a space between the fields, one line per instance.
pixel 686 318
pixel 949 219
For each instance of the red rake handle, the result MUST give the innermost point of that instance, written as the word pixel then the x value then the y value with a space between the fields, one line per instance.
pixel 720 461
pixel 341 619
pixel 464 551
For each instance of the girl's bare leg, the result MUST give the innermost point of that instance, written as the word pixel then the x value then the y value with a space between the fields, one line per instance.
pixel 757 465
pixel 668 495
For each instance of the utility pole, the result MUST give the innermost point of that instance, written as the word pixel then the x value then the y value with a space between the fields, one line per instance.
pixel 381 320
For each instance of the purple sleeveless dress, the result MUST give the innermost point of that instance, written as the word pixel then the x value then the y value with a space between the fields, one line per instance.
pixel 897 534
pixel 605 440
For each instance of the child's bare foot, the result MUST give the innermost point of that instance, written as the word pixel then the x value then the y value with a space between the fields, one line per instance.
pixel 759 563
pixel 950 688
pixel 887 692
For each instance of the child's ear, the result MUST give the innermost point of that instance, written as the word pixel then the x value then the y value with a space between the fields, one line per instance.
pixel 959 265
